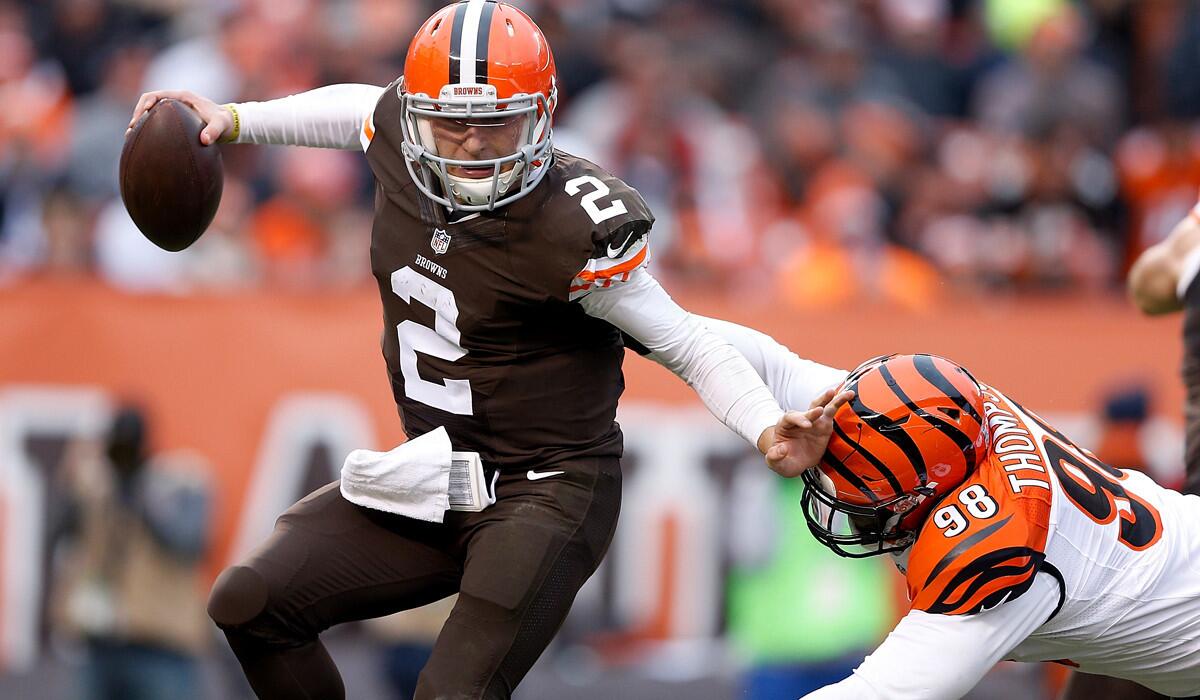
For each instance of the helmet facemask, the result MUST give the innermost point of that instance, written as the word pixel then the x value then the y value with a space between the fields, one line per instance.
pixel 912 433
pixel 517 129
pixel 859 531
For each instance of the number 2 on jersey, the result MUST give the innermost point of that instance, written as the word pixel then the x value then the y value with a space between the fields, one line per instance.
pixel 441 341
pixel 589 200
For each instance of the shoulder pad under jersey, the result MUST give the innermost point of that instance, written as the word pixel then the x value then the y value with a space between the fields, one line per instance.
pixel 982 545
pixel 606 220
pixel 383 140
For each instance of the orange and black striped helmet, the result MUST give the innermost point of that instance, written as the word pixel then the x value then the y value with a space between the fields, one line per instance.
pixel 484 65
pixel 913 432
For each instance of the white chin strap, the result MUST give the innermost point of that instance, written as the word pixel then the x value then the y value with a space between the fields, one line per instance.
pixel 469 190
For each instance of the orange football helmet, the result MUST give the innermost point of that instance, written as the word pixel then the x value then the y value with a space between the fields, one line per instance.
pixel 477 100
pixel 913 432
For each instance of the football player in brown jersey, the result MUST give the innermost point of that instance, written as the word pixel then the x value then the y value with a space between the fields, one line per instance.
pixel 1161 281
pixel 508 271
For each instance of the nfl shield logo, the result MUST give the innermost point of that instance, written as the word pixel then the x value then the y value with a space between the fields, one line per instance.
pixel 440 241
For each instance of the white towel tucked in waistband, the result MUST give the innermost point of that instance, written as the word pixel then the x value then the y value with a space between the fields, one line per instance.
pixel 412 480
pixel 422 479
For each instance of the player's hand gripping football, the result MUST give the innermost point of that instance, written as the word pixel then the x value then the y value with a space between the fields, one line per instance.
pixel 800 438
pixel 218 120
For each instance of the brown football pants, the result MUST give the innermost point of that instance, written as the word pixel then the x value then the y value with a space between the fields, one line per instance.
pixel 516 566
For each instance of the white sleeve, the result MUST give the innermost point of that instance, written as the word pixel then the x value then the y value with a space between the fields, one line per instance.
pixel 941 657
pixel 794 381
pixel 725 382
pixel 327 117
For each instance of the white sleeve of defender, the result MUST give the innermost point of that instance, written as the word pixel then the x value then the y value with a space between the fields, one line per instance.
pixel 327 117
pixel 794 381
pixel 941 657
pixel 724 380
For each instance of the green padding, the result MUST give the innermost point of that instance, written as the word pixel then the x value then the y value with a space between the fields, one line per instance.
pixel 1011 23
pixel 808 604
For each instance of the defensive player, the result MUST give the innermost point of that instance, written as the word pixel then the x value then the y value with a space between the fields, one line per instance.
pixel 1015 542
pixel 508 271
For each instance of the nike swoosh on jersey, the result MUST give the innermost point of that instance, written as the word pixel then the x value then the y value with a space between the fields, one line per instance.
pixel 534 476
pixel 614 252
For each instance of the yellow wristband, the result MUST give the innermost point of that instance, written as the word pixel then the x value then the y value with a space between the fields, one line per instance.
pixel 237 125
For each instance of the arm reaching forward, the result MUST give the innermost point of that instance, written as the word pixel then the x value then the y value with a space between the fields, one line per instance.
pixel 725 382
pixel 794 381
pixel 731 386
pixel 327 117
pixel 799 385
pixel 942 657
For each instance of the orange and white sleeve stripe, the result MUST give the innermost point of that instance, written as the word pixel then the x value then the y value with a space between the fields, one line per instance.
pixel 604 272
pixel 367 133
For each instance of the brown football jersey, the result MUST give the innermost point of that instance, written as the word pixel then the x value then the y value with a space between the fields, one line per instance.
pixel 482 334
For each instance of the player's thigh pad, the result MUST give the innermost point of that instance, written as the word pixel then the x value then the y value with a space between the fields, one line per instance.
pixel 506 565
pixel 526 559
pixel 329 561
pixel 549 530
pixel 238 596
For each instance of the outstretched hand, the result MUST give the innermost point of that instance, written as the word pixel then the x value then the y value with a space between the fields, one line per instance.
pixel 799 439
pixel 217 120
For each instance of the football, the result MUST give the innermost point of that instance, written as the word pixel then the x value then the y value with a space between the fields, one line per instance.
pixel 170 183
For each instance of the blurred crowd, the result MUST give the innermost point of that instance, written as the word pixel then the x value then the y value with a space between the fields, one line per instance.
pixel 898 151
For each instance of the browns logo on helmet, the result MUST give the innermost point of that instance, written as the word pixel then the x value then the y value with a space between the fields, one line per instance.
pixel 912 433
pixel 482 70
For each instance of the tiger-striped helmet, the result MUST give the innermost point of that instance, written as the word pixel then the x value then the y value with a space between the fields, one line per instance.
pixel 913 432
pixel 476 105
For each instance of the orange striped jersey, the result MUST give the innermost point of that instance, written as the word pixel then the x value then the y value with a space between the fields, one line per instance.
pixel 1044 553
pixel 987 539
pixel 1123 551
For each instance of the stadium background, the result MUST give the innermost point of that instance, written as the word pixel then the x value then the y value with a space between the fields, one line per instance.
pixel 964 177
